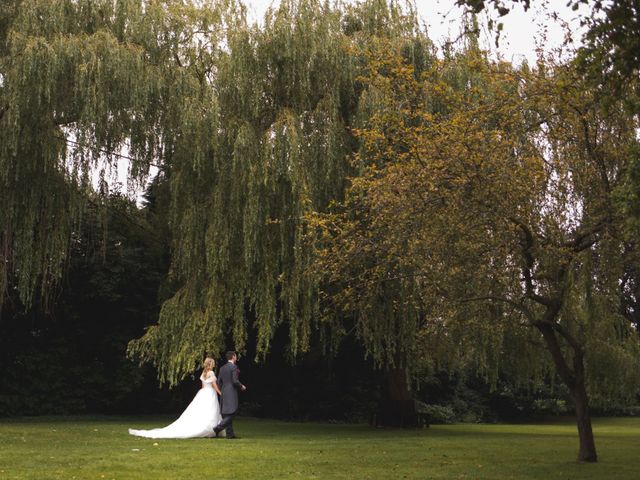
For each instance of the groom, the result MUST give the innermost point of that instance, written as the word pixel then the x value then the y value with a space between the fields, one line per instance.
pixel 229 384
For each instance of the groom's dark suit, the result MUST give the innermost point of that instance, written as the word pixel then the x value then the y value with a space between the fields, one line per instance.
pixel 229 383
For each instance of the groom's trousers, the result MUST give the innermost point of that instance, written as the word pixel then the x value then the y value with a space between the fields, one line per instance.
pixel 227 423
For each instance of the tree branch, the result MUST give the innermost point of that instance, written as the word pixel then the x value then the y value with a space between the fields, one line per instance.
pixel 568 337
pixel 548 333
pixel 518 306
pixel 591 151
pixel 107 152
pixel 584 240
pixel 527 243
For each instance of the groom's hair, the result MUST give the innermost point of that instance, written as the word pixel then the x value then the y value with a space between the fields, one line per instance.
pixel 230 354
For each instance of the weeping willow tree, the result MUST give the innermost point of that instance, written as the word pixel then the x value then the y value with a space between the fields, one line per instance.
pixel 80 81
pixel 250 124
pixel 275 147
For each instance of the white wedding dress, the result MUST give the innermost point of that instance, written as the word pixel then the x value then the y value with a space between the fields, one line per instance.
pixel 198 419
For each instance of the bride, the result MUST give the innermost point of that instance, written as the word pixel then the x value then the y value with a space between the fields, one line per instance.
pixel 199 418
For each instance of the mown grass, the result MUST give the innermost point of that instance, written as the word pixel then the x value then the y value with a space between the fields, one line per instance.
pixel 100 448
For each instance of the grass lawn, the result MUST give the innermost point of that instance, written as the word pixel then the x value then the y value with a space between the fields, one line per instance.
pixel 101 448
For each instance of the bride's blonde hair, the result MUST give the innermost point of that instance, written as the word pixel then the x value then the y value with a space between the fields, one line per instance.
pixel 209 363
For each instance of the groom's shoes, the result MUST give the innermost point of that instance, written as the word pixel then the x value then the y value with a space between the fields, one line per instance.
pixel 233 437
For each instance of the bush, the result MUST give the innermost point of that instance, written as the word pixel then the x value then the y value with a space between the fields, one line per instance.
pixel 436 414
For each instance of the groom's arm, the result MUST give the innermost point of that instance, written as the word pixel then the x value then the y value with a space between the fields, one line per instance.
pixel 235 378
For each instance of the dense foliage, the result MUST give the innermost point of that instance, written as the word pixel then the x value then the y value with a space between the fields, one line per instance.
pixel 71 359
pixel 487 203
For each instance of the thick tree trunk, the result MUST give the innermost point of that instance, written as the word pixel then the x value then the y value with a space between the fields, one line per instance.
pixel 397 407
pixel 587 452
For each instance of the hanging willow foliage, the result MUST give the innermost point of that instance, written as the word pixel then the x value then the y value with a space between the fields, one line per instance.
pixel 63 73
pixel 93 75
pixel 277 145
pixel 251 124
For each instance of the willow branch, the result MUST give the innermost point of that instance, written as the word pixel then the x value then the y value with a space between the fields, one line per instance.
pixel 518 306
pixel 107 152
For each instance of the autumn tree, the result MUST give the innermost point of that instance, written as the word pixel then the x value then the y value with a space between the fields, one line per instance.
pixel 607 56
pixel 483 227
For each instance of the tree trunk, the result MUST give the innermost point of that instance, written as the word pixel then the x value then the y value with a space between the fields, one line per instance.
pixel 397 407
pixel 587 451
pixel 574 379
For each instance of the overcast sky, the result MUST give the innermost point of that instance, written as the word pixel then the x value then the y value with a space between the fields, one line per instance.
pixel 521 29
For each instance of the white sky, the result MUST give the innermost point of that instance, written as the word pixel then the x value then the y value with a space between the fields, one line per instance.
pixel 520 36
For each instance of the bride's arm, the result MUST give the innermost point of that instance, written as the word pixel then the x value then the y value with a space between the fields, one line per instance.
pixel 214 382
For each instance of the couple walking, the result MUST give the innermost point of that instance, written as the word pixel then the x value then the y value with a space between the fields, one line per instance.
pixel 205 417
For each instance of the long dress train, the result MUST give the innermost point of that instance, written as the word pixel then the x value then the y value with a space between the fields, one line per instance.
pixel 198 419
